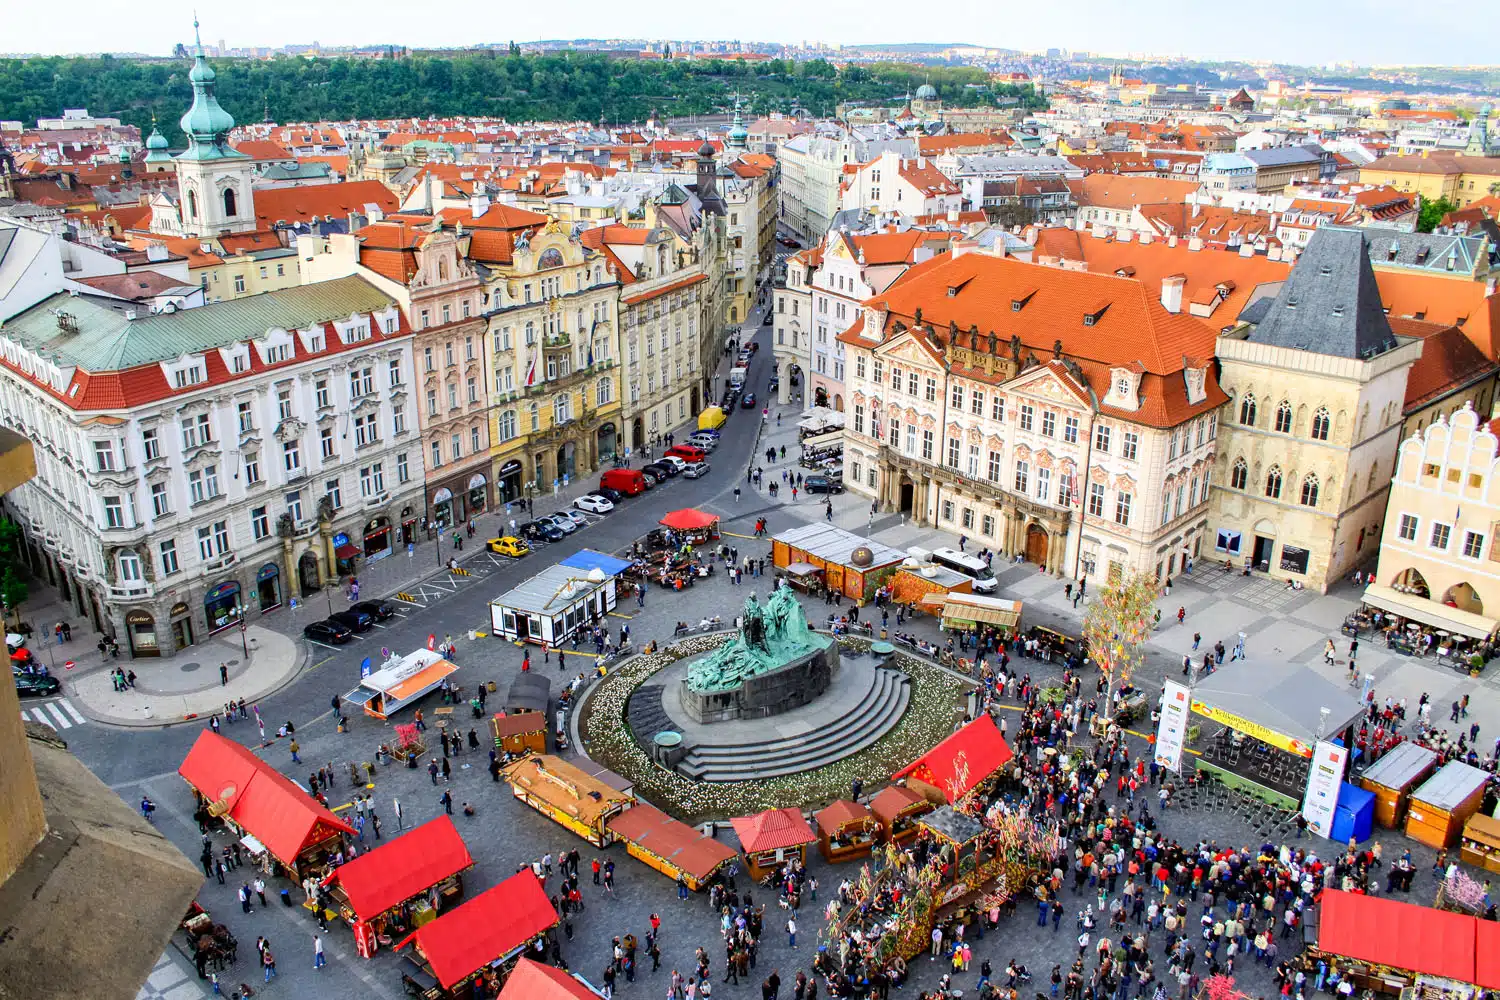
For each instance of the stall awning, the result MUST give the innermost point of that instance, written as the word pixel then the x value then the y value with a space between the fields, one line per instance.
pixel 676 843
pixel 774 829
pixel 402 868
pixel 802 569
pixel 689 519
pixel 487 927
pixel 534 981
pixel 986 610
pixel 841 813
pixel 1419 609
pixel 1402 935
pixel 258 798
pixel 824 440
pixel 893 800
pixel 589 560
pixel 346 551
pixel 422 679
pixel 959 763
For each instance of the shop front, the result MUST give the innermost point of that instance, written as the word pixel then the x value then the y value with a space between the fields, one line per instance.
pixel 606 440
pixel 478 495
pixel 345 552
pixel 268 586
pixel 378 535
pixel 181 617
pixel 508 482
pixel 140 632
pixel 446 511
pixel 219 606
pixel 408 525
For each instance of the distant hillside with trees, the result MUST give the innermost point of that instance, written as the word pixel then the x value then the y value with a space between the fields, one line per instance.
pixel 562 86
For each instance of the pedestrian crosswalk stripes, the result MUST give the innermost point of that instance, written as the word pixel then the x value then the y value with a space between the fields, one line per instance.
pixel 59 714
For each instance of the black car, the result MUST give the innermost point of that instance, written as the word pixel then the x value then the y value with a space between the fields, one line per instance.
pixel 328 631
pixel 662 470
pixel 748 403
pixel 379 610
pixel 354 620
pixel 541 531
pixel 652 479
pixel 613 496
pixel 823 484
pixel 36 685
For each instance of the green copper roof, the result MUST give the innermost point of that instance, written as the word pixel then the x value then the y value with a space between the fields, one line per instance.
pixel 156 140
pixel 107 341
pixel 206 123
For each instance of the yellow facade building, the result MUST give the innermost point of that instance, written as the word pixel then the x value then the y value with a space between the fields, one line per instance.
pixel 1460 179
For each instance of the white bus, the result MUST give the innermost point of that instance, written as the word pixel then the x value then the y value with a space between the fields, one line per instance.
pixel 970 566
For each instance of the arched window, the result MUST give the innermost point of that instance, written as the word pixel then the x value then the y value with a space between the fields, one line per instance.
pixel 1310 491
pixel 229 203
pixel 605 391
pixel 1239 475
pixel 507 425
pixel 1284 418
pixel 192 204
pixel 1273 483
pixel 1320 424
pixel 1247 410
pixel 536 417
pixel 530 333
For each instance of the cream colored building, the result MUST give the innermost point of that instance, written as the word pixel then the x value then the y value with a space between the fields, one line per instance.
pixel 1439 561
pixel 1309 441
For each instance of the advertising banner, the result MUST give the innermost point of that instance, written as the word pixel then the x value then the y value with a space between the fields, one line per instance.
pixel 1255 729
pixel 1173 727
pixel 1323 781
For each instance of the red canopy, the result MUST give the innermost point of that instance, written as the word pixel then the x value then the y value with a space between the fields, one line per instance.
pixel 773 829
pixel 534 981
pixel 401 868
pixel 1486 954
pixel 687 847
pixel 689 519
pixel 258 798
pixel 1401 935
pixel 959 763
pixel 490 926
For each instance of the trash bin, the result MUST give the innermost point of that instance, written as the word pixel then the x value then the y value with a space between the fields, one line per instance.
pixel 492 687
pixel 472 635
pixel 286 897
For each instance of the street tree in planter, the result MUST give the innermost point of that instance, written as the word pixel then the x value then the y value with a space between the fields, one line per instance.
pixel 1116 624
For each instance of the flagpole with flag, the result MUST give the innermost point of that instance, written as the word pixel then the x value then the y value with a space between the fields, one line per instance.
pixel 531 370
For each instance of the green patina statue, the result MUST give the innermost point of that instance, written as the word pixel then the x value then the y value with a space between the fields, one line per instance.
pixel 771 635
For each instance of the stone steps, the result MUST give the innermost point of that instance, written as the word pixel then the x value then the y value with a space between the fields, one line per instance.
pixel 876 713
pixel 645 714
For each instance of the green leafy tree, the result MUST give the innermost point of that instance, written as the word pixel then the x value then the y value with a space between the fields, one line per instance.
pixel 1432 212
pixel 1116 624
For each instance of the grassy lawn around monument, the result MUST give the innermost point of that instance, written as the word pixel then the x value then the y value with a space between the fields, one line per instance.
pixel 937 702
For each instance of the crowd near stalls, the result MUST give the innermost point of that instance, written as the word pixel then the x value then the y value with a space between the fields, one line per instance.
pixel 820 557
pixel 1404 620
pixel 673 555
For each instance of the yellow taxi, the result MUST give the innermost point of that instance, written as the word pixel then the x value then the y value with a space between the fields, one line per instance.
pixel 509 546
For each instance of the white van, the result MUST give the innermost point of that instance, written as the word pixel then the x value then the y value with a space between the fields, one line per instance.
pixel 970 566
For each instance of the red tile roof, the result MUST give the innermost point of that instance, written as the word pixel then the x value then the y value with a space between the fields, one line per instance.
pixel 321 201
pixel 1449 362
pixel 772 830
pixel 1111 191
pixel 927 178
pixel 262 149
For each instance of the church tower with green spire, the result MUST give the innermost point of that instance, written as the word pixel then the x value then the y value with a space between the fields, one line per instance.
pixel 739 135
pixel 213 178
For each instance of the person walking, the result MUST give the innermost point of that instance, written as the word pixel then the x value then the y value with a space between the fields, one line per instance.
pixel 260 889
pixel 223 674
pixel 396 804
pixel 447 800
pixel 268 961
pixel 319 960
pixel 294 747
pixel 791 931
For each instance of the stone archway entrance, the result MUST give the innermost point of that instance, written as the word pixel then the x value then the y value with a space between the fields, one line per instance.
pixel 566 459
pixel 908 494
pixel 637 434
pixel 1036 544
pixel 308 578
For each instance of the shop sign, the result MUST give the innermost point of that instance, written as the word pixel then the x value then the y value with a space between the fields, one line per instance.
pixel 1255 729
pixel 1323 781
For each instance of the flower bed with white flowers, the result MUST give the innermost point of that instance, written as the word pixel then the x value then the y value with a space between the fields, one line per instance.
pixel 937 702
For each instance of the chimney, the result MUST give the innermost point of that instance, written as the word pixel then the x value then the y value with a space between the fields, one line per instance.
pixel 1172 240
pixel 479 203
pixel 1171 292
pixel 1195 244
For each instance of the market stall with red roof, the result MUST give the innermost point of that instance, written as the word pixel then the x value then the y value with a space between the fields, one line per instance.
pixel 669 845
pixel 1387 945
pixel 959 764
pixel 896 809
pixel 483 937
pixel 534 981
pixel 771 838
pixel 262 805
pixel 699 526
pixel 402 884
pixel 846 830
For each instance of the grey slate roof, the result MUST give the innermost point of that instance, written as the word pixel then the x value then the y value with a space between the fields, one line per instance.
pixel 1280 156
pixel 107 341
pixel 1423 251
pixel 1330 303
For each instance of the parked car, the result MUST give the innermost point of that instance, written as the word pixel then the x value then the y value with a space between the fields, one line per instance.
pixel 36 685
pixel 650 478
pixel 509 545
pixel 695 470
pixel 770 318
pixel 662 470
pixel 748 403
pixel 541 531
pixel 626 482
pixel 593 504
pixel 613 496
pixel 355 621
pixel 822 484
pixel 567 524
pixel 708 442
pixel 328 631
pixel 379 610
pixel 677 461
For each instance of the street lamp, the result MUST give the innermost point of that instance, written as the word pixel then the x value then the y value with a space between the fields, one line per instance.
pixel 239 611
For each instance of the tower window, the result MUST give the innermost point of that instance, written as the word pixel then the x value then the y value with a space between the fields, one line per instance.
pixel 192 204
pixel 229 206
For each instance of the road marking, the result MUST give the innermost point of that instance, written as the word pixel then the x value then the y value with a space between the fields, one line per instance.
pixel 68 705
pixel 320 662
pixel 734 534
pixel 57 714
pixel 325 645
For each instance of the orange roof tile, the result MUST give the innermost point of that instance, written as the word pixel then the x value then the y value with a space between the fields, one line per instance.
pixel 261 149
pixel 321 201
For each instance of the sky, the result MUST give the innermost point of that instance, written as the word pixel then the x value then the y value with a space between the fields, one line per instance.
pixel 1382 32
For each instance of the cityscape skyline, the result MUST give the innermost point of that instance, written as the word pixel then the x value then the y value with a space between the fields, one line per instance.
pixel 1159 28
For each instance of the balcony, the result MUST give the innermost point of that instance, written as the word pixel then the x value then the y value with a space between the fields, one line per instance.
pixel 376 501
pixel 223 562
pixel 135 590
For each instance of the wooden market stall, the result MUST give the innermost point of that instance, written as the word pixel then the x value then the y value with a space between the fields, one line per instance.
pixel 1392 777
pixel 696 526
pixel 401 885
pixel 480 939
pixel 670 846
pixel 1481 842
pixel 1443 804
pixel 1389 946
pixel 534 981
pixel 959 764
pixel 528 693
pixel 263 806
pixel 567 795
pixel 916 582
pixel 970 611
pixel 551 606
pixel 846 831
pixel 772 838
pixel 520 733
pixel 851 565
pixel 896 809
pixel 400 682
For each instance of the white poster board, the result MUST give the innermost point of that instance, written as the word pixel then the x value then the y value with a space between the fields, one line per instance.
pixel 1172 729
pixel 1323 780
